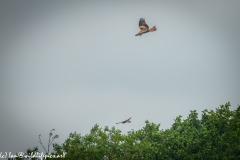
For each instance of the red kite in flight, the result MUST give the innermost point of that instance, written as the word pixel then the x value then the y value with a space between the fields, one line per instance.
pixel 126 121
pixel 144 27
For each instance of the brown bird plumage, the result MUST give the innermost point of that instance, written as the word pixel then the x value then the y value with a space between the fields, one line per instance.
pixel 126 121
pixel 144 27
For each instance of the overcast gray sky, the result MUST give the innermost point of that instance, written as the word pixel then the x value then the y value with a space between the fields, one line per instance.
pixel 69 65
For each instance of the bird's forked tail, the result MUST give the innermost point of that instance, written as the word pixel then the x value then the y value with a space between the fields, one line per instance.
pixel 153 29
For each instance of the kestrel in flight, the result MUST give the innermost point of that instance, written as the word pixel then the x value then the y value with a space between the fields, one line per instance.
pixel 126 121
pixel 144 27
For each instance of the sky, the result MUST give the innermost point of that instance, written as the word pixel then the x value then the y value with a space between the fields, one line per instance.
pixel 69 65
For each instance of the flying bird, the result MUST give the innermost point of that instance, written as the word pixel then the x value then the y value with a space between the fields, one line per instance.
pixel 144 27
pixel 126 121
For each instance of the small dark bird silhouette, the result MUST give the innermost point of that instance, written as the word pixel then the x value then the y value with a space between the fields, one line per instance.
pixel 126 121
pixel 144 27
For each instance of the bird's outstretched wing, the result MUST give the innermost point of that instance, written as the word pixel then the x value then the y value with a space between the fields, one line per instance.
pixel 143 25
pixel 126 121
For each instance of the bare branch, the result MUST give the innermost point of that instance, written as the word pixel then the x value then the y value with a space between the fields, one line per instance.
pixel 40 141
pixel 56 136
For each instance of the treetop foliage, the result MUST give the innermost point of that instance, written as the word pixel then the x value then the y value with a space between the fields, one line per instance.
pixel 216 135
